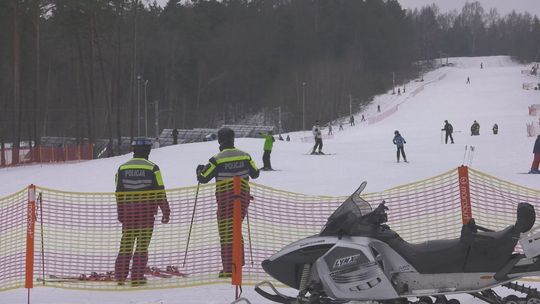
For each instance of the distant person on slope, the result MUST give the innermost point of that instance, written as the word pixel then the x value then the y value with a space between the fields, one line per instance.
pixel 448 129
pixel 351 120
pixel 399 141
pixel 317 135
pixel 475 128
pixel 268 144
pixel 495 129
pixel 536 160
pixel 468 80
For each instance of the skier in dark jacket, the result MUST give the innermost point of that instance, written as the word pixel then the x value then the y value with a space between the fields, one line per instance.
pixel 536 160
pixel 475 128
pixel 137 211
pixel 448 129
pixel 229 162
pixel 495 129
pixel 399 141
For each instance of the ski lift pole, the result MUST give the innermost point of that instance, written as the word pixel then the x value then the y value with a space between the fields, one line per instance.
pixel 191 224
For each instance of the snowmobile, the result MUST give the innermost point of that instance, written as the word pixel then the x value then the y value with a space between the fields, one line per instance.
pixel 357 257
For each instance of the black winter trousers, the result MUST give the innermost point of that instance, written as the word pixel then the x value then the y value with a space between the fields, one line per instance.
pixel 266 159
pixel 446 138
pixel 318 144
pixel 402 153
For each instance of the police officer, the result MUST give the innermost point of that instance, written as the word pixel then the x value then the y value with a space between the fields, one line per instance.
pixel 229 162
pixel 137 211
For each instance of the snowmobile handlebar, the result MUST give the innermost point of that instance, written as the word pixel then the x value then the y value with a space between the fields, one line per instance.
pixel 378 216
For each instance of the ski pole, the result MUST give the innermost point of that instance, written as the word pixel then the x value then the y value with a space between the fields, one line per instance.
pixel 464 155
pixel 191 223
pixel 472 156
pixel 249 238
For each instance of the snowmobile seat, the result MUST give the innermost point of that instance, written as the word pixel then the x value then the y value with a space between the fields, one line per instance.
pixel 438 256
pixel 489 251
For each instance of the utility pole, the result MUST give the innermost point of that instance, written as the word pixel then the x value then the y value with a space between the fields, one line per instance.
pixel 156 117
pixel 303 105
pixel 279 121
pixel 138 106
pixel 393 83
pixel 350 104
pixel 145 110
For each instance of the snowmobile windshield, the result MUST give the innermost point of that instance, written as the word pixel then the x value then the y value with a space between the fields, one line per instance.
pixel 346 216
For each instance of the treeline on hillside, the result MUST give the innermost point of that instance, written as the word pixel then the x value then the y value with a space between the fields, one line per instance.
pixel 84 68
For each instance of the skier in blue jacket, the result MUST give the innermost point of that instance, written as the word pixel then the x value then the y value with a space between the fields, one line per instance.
pixel 399 141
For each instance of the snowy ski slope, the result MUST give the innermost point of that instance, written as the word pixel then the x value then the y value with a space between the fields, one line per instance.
pixel 363 152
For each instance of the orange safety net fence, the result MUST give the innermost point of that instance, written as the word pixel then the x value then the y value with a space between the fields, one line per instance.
pixel 85 240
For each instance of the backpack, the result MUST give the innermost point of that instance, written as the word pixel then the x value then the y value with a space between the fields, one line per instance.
pixel 450 128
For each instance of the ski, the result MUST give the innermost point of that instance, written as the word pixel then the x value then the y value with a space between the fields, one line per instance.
pixel 173 270
pixel 322 154
pixel 93 277
pixel 156 272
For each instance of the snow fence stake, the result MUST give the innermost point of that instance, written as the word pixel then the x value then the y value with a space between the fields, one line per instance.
pixel 464 194
pixel 30 231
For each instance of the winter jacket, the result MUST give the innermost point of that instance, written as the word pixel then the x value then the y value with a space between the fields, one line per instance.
pixel 228 163
pixel 143 177
pixel 536 149
pixel 399 140
pixel 448 128
pixel 316 131
pixel 268 142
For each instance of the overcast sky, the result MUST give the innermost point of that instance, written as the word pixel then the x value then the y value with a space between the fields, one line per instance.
pixel 503 6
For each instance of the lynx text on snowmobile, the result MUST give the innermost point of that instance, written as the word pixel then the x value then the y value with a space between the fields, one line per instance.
pixel 357 257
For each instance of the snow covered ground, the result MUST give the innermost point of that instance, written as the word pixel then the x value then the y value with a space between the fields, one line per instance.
pixel 363 152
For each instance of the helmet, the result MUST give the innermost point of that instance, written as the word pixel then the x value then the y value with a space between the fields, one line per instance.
pixel 446 121
pixel 225 135
pixel 396 132
pixel 141 142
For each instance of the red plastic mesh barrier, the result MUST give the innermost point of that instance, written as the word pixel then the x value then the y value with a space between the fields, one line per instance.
pixel 78 235
pixel 39 154
pixel 12 240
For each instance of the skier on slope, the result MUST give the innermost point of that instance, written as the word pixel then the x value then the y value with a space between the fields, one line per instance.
pixel 495 129
pixel 136 212
pixel 536 160
pixel 475 128
pixel 399 141
pixel 229 162
pixel 268 144
pixel 448 129
pixel 317 135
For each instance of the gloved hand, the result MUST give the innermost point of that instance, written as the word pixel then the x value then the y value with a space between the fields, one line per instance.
pixel 164 219
pixel 199 169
